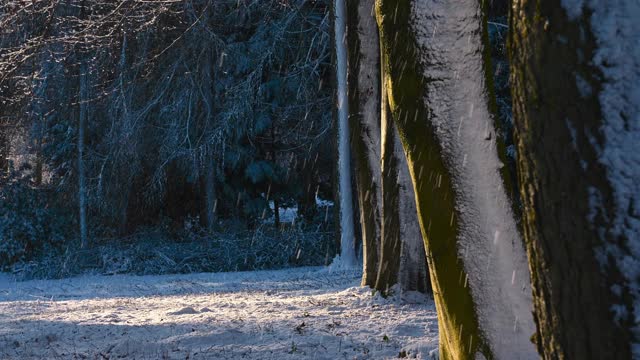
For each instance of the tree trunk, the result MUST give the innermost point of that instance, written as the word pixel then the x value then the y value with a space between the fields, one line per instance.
pixel 4 148
pixel 83 100
pixel 39 155
pixel 82 123
pixel 210 189
pixel 364 105
pixel 347 233
pixel 577 127
pixel 38 101
pixel 307 206
pixel 391 234
pixel 433 63
pixel 402 257
pixel 413 274
pixel 209 182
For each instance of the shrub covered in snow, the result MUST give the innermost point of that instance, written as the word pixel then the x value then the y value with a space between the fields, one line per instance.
pixel 157 251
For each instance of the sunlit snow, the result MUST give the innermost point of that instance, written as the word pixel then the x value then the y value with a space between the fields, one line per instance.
pixel 303 313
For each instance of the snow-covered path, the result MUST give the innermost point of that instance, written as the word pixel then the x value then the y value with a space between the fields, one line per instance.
pixel 304 313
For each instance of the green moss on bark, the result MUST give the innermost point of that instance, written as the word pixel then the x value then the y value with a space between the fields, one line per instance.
pixel 404 85
pixel 558 167
pixel 391 242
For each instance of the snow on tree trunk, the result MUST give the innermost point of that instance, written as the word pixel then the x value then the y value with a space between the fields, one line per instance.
pixel 413 273
pixel 347 233
pixel 434 76
pixel 402 259
pixel 576 87
pixel 364 105
pixel 391 235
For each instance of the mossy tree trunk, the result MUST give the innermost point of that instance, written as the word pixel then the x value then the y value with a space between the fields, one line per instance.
pixel 402 258
pixel 364 119
pixel 569 201
pixel 434 81
pixel 413 274
pixel 390 246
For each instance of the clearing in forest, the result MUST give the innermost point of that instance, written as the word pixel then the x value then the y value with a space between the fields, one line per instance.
pixel 303 313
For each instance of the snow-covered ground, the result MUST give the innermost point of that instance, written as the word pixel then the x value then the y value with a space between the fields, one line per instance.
pixel 304 313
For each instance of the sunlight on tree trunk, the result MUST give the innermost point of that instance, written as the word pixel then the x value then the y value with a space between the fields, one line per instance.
pixel 391 233
pixel 364 106
pixel 565 120
pixel 347 233
pixel 413 274
pixel 434 79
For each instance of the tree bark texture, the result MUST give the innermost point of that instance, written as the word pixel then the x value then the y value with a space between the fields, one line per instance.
pixel 558 136
pixel 390 247
pixel 434 65
pixel 82 123
pixel 345 194
pixel 364 105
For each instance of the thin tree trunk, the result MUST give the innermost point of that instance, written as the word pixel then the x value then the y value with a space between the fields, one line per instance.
pixel 276 214
pixel 434 61
pixel 276 203
pixel 307 202
pixel 82 123
pixel 347 233
pixel 389 265
pixel 39 155
pixel 210 189
pixel 209 183
pixel 364 105
pixel 38 99
pixel 580 208
pixel 83 98
pixel 4 149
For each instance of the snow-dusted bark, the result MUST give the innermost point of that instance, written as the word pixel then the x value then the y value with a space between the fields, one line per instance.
pixel 402 259
pixel 364 106
pixel 413 274
pixel 347 233
pixel 390 247
pixel 576 86
pixel 434 76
